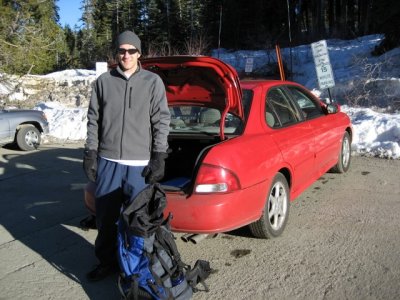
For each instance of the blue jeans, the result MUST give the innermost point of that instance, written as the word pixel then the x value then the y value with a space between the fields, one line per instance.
pixel 116 184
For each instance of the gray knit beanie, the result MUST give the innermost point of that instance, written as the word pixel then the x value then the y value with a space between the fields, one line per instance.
pixel 129 37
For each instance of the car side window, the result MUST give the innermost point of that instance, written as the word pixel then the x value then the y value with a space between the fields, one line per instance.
pixel 308 106
pixel 280 111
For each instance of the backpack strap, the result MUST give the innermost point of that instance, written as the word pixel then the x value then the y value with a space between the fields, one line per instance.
pixel 133 293
pixel 199 274
pixel 165 237
pixel 156 290
pixel 168 269
pixel 159 281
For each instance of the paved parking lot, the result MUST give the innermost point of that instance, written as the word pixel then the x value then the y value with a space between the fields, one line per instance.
pixel 341 241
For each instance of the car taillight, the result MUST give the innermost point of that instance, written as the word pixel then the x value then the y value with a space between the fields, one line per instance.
pixel 214 179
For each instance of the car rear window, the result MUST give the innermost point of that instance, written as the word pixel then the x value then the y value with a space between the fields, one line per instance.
pixel 195 119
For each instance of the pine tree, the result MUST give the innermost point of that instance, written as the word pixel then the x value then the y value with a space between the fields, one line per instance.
pixel 387 21
pixel 31 41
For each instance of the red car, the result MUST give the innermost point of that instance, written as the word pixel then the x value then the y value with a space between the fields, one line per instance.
pixel 241 151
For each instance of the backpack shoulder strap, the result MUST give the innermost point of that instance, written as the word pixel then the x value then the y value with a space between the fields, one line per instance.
pixel 166 239
pixel 199 274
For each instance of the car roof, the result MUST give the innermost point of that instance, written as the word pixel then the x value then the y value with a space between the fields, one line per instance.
pixel 252 83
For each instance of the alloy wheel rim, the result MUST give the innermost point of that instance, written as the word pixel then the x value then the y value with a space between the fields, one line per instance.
pixel 346 152
pixel 277 206
pixel 31 138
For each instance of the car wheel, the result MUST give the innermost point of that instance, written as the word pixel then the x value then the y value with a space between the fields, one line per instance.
pixel 343 163
pixel 28 138
pixel 276 210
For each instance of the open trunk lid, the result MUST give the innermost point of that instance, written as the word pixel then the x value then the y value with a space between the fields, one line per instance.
pixel 199 80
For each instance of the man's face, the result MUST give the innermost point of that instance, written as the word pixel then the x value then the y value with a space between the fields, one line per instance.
pixel 128 61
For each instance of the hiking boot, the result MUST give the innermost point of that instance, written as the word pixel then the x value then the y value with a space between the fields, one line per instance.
pixel 100 272
pixel 88 223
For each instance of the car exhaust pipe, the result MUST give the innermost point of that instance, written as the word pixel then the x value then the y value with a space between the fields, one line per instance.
pixel 186 237
pixel 197 238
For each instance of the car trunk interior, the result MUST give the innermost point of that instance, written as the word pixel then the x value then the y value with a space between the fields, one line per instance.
pixel 185 155
pixel 188 149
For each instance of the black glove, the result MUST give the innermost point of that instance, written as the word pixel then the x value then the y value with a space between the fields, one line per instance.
pixel 90 164
pixel 154 171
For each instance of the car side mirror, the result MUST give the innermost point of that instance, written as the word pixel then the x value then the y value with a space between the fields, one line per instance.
pixel 332 108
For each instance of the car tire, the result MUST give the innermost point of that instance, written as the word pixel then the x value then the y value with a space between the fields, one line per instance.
pixel 276 210
pixel 344 158
pixel 28 138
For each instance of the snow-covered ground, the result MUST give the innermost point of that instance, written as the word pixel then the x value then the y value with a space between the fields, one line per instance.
pixel 375 133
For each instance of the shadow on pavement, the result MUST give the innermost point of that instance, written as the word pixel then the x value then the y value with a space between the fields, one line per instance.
pixel 41 205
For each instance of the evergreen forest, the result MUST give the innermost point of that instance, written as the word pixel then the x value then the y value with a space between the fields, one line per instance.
pixel 32 41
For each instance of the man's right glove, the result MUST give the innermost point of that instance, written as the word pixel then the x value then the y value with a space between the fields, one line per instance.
pixel 154 171
pixel 90 164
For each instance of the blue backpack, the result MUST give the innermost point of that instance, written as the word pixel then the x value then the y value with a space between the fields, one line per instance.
pixel 150 263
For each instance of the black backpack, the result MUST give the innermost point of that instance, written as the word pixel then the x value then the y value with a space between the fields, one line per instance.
pixel 151 266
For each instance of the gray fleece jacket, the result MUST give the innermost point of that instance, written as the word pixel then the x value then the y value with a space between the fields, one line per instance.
pixel 128 119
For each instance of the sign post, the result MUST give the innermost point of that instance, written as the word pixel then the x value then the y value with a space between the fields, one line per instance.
pixel 249 65
pixel 323 66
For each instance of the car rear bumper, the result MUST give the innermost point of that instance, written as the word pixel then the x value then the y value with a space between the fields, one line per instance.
pixel 213 213
pixel 206 213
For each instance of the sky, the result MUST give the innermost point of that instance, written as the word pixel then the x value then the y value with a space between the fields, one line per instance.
pixel 69 12
pixel 376 133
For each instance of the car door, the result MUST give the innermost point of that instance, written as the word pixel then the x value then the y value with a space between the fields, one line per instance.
pixel 294 137
pixel 323 125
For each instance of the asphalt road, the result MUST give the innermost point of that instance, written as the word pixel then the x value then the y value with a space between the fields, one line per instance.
pixel 342 240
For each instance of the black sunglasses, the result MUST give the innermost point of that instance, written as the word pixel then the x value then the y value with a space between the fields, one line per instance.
pixel 122 51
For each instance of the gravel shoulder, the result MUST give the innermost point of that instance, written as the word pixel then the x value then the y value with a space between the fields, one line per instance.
pixel 341 241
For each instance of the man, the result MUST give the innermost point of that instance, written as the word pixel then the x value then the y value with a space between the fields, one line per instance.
pixel 127 129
